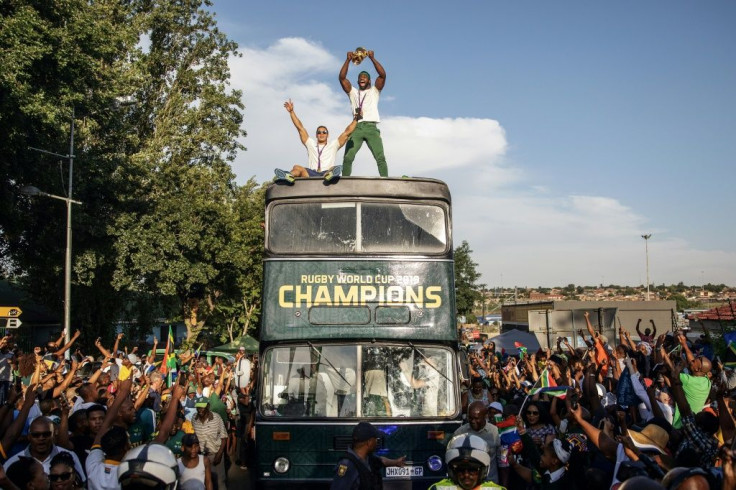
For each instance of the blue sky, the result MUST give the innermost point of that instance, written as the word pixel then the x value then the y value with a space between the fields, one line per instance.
pixel 564 129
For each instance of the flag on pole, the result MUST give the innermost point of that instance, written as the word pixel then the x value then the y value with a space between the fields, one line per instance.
pixel 546 384
pixel 169 350
pixel 522 350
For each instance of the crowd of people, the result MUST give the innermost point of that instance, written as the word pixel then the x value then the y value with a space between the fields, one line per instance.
pixel 653 413
pixel 122 418
pixel 650 413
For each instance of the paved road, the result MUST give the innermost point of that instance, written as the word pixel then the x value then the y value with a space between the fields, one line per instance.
pixel 239 479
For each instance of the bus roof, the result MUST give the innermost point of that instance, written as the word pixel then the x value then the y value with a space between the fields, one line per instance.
pixel 395 187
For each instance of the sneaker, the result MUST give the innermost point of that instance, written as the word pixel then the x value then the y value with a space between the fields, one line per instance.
pixel 333 173
pixel 283 175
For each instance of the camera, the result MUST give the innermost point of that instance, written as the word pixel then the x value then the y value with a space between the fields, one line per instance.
pixel 358 113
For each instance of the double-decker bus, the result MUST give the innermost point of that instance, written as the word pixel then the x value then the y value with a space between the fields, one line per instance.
pixel 358 323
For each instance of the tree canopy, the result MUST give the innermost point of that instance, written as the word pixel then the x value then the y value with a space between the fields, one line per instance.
pixel 156 126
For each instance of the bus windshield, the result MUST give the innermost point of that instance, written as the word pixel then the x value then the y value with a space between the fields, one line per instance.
pixel 357 228
pixel 358 381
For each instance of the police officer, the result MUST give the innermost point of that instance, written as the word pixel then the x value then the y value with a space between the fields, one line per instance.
pixel 360 468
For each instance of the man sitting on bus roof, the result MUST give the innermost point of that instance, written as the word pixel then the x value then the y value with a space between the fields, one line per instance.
pixel 321 154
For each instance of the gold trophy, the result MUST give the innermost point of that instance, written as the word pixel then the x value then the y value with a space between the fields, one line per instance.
pixel 359 54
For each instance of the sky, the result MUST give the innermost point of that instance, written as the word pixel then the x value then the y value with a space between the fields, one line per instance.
pixel 565 130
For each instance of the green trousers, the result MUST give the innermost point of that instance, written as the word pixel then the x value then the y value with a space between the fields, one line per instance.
pixel 368 132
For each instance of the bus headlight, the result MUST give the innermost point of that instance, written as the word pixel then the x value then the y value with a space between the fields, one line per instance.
pixel 434 463
pixel 281 465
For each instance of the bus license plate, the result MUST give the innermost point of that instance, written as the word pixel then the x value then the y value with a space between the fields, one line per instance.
pixel 404 471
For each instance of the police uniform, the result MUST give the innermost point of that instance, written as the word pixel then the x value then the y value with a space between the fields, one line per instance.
pixel 448 484
pixel 355 473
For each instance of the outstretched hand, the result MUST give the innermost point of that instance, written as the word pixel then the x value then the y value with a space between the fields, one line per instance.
pixel 350 56
pixel 289 105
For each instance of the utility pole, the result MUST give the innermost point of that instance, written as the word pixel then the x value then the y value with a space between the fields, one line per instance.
pixel 646 250
pixel 69 201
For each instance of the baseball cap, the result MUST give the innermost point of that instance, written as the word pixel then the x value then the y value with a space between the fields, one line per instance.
pixel 201 402
pixel 496 406
pixel 133 359
pixel 364 431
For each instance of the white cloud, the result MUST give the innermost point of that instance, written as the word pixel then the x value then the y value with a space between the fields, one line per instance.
pixel 518 229
pixel 305 72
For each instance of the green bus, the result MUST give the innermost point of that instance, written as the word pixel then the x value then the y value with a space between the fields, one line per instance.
pixel 358 324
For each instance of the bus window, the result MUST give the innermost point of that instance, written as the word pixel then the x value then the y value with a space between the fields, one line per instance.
pixel 402 228
pixel 310 382
pixel 357 227
pixel 407 382
pixel 322 381
pixel 313 228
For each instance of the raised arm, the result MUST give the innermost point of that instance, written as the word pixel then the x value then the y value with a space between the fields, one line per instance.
pixel 678 393
pixel 152 357
pixel 68 380
pixel 117 343
pixel 638 332
pixel 93 379
pixel 344 82
pixel 589 326
pixel 220 384
pixel 169 418
pixel 289 106
pixel 381 80
pixel 60 353
pixel 17 426
pixel 688 353
pixel 122 393
pixel 654 328
pixel 343 138
pixel 602 441
pixel 57 343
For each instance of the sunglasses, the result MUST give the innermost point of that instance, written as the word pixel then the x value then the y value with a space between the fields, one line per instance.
pixel 532 413
pixel 322 132
pixel 40 434
pixel 61 476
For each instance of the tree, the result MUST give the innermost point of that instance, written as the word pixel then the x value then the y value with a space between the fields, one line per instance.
pixel 62 62
pixel 161 210
pixel 177 224
pixel 466 276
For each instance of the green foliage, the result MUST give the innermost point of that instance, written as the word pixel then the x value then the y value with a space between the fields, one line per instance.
pixel 466 277
pixel 682 302
pixel 161 210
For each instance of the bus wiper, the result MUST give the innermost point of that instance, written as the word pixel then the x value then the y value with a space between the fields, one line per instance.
pixel 328 363
pixel 426 361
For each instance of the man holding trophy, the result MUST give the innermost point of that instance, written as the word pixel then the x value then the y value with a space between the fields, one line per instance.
pixel 364 101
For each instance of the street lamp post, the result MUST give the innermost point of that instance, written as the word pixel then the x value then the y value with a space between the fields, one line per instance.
pixel 646 250
pixel 34 191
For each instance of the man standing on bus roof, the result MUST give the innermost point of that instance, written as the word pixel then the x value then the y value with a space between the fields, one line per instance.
pixel 360 467
pixel 321 154
pixel 364 101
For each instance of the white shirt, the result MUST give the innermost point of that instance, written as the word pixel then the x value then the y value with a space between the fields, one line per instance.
pixel 102 474
pixel 321 157
pixel 369 99
pixel 46 463
pixel 242 372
